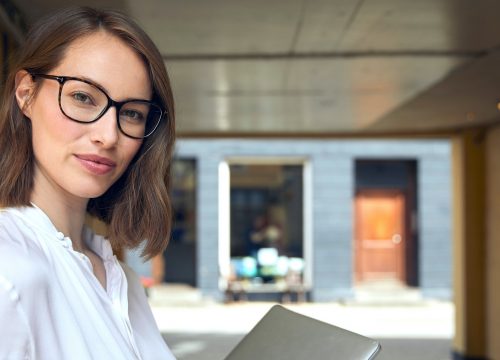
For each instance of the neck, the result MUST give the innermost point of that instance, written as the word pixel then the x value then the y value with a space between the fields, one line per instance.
pixel 66 211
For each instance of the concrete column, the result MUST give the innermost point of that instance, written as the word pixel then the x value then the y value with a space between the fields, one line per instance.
pixel 207 226
pixel 333 187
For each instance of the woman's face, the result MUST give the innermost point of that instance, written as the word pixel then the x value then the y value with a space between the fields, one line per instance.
pixel 84 160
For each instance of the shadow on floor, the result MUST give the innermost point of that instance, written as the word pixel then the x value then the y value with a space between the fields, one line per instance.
pixel 217 346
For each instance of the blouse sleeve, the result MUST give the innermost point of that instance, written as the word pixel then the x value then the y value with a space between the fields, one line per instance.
pixel 16 341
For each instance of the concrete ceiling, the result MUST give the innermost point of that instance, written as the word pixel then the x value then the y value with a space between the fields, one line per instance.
pixel 322 66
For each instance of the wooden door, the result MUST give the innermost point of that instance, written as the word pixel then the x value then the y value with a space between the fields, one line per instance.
pixel 379 232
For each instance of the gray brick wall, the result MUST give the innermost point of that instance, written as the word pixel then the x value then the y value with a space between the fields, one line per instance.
pixel 434 182
pixel 332 191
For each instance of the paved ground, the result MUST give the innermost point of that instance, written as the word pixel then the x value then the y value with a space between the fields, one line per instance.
pixel 197 329
pixel 216 346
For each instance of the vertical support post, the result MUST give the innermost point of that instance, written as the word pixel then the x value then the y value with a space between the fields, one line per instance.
pixel 469 246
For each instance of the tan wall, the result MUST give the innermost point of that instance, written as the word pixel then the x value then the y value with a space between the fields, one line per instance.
pixel 469 243
pixel 458 248
pixel 493 242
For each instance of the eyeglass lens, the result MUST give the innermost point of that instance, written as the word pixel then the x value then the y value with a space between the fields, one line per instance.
pixel 84 102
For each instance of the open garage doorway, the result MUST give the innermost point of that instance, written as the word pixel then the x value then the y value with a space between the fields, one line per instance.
pixel 267 227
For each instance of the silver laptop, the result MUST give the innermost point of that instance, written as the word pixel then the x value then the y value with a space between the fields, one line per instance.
pixel 286 335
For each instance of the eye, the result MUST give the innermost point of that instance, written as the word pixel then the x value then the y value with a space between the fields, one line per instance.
pixel 83 98
pixel 131 114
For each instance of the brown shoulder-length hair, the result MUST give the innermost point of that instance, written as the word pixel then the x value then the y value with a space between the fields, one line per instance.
pixel 137 206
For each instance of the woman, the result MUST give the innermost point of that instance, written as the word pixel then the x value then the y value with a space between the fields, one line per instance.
pixel 86 127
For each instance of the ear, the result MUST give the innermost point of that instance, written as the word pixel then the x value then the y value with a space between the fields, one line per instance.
pixel 25 89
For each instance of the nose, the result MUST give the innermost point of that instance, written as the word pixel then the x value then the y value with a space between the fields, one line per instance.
pixel 105 131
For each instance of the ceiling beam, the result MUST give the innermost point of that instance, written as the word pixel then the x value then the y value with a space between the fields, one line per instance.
pixel 329 55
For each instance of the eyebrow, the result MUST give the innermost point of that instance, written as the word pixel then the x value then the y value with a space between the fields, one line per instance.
pixel 93 82
pixel 103 88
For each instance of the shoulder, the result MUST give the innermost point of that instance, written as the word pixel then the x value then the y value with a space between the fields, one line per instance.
pixel 133 280
pixel 16 234
pixel 15 237
pixel 136 292
pixel 11 226
pixel 17 230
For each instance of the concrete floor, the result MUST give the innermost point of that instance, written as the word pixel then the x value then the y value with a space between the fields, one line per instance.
pixel 194 346
pixel 197 328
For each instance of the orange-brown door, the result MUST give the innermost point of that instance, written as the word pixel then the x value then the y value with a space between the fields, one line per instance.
pixel 379 242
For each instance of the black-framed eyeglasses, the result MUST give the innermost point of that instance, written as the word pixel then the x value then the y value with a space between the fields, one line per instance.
pixel 82 101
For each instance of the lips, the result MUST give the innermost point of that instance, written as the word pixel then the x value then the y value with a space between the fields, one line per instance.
pixel 95 164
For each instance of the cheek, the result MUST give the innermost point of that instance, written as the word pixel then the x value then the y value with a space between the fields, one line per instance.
pixel 51 130
pixel 129 149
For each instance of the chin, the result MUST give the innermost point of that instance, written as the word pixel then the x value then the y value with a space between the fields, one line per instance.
pixel 90 195
pixel 90 192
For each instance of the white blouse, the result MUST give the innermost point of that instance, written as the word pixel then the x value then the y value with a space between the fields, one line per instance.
pixel 53 307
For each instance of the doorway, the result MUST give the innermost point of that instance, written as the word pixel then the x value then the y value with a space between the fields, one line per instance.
pixel 266 225
pixel 385 217
pixel 179 260
pixel 379 235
